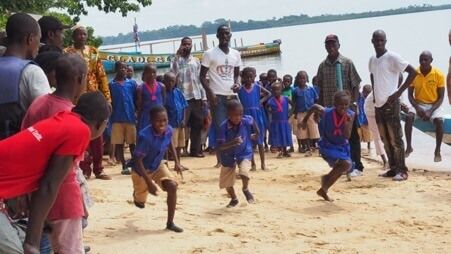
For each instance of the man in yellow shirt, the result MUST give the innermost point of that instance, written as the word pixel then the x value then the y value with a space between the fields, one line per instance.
pixel 426 95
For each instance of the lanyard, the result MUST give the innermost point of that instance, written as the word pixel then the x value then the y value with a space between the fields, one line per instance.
pixel 339 76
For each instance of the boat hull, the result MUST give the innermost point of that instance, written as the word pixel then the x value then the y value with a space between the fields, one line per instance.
pixel 429 128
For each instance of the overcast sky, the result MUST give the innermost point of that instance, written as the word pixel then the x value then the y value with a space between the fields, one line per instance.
pixel 163 13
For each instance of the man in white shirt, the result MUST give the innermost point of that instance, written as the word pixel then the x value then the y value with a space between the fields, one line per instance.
pixel 385 68
pixel 222 64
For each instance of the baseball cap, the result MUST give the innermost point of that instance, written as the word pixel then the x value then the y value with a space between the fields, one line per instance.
pixel 49 23
pixel 331 37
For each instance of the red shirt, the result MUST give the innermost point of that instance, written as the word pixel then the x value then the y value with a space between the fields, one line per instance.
pixel 43 107
pixel 24 157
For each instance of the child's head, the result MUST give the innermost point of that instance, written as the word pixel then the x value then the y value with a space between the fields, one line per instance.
pixel 121 70
pixel 169 80
pixel 159 119
pixel 47 61
pixel 287 80
pixel 149 73
pixel 263 78
pixel 315 81
pixel 272 76
pixel 276 88
pixel 248 76
pixel 302 78
pixel 234 111
pixel 94 111
pixel 130 71
pixel 70 74
pixel 342 100
pixel 366 90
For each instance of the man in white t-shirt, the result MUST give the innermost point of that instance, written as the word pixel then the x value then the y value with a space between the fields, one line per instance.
pixel 222 64
pixel 385 68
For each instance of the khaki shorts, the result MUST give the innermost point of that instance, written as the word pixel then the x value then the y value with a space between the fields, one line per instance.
pixel 178 137
pixel 140 190
pixel 311 132
pixel 123 133
pixel 365 134
pixel 228 174
pixel 294 124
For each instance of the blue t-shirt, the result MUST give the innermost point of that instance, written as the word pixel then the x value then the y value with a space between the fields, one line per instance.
pixel 123 97
pixel 228 132
pixel 304 98
pixel 153 147
pixel 362 115
pixel 175 104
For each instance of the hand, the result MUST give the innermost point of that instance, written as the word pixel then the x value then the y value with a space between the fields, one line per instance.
pixel 254 136
pixel 404 108
pixel 179 169
pixel 182 124
pixel 420 112
pixel 302 125
pixel 237 141
pixel 30 249
pixel 235 88
pixel 213 100
pixel 152 188
pixel 392 98
pixel 427 115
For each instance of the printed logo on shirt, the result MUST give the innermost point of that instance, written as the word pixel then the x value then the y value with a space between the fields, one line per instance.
pixel 225 71
pixel 35 133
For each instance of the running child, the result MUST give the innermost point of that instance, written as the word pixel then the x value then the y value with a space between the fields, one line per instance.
pixel 250 95
pixel 304 97
pixel 335 127
pixel 279 129
pixel 150 93
pixel 154 141
pixel 234 140
pixel 177 109
pixel 123 97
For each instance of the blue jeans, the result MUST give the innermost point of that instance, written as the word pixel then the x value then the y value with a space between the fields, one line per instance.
pixel 45 246
pixel 219 112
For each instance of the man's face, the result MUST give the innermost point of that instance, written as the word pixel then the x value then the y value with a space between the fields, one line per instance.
pixel 332 48
pixel 425 61
pixel 186 46
pixel 34 41
pixel 224 36
pixel 379 42
pixel 57 38
pixel 80 36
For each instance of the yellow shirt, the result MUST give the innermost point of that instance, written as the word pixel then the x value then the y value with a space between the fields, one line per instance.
pixel 425 87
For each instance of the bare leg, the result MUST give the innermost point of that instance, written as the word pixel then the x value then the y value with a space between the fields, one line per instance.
pixel 234 199
pixel 410 117
pixel 254 167
pixel 171 188
pixel 438 138
pixel 120 154
pixel 328 180
pixel 261 151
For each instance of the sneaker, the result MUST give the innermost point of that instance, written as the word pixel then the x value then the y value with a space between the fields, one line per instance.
pixel 356 173
pixel 400 177
pixel 126 171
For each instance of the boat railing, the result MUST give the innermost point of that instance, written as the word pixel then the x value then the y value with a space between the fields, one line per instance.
pixel 150 44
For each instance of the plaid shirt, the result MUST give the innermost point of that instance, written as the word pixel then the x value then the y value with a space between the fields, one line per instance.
pixel 188 81
pixel 327 81
pixel 96 77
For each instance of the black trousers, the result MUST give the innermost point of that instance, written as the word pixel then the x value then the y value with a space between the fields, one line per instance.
pixel 354 142
pixel 195 122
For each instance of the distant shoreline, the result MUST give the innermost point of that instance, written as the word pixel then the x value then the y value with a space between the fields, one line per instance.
pixel 292 20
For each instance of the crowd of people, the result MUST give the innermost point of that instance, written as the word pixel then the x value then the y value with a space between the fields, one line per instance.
pixel 58 103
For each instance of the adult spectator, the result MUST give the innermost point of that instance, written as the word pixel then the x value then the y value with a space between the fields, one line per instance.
pixel 21 81
pixel 96 81
pixel 187 68
pixel 385 68
pixel 337 73
pixel 426 95
pixel 222 64
pixel 52 31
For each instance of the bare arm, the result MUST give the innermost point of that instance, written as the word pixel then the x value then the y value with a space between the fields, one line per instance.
pixel 178 168
pixel 410 77
pixel 266 94
pixel 317 109
pixel 448 81
pixel 141 171
pixel 228 145
pixel 236 74
pixel 203 80
pixel 441 96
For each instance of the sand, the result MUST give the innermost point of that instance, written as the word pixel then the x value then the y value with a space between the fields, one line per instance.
pixel 369 214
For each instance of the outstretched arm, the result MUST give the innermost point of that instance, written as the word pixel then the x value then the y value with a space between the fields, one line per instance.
pixel 448 81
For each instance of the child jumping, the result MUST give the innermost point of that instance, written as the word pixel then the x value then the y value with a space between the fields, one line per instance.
pixel 279 129
pixel 234 142
pixel 153 142
pixel 335 127
pixel 249 94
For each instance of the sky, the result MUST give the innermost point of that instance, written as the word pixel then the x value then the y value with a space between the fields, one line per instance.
pixel 163 13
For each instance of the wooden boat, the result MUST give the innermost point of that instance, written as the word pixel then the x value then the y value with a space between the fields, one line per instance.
pixel 429 128
pixel 138 60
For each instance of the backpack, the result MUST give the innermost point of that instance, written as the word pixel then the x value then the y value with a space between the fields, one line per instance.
pixel 11 113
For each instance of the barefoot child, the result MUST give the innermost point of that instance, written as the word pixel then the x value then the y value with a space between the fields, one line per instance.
pixel 279 129
pixel 177 109
pixel 235 138
pixel 153 142
pixel 287 85
pixel 335 127
pixel 249 94
pixel 150 93
pixel 304 97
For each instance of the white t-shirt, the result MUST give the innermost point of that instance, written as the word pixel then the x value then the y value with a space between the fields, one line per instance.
pixel 386 70
pixel 33 83
pixel 221 69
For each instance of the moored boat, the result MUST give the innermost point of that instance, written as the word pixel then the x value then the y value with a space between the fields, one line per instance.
pixel 429 128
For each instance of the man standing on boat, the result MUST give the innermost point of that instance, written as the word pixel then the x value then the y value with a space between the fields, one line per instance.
pixel 96 81
pixel 187 68
pixel 222 64
pixel 426 95
pixel 338 73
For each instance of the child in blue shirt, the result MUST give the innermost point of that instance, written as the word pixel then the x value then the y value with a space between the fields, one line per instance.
pixel 250 94
pixel 234 142
pixel 153 142
pixel 364 129
pixel 176 107
pixel 288 89
pixel 304 97
pixel 335 127
pixel 123 99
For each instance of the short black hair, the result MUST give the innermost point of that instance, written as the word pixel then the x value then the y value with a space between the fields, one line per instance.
pixel 169 73
pixel 272 70
pixel 47 60
pixel 287 76
pixel 93 107
pixel 117 64
pixel 149 67
pixel 186 38
pixel 156 110
pixel 221 27
pixel 19 26
pixel 233 105
pixel 306 74
pixel 340 94
pixel 48 48
pixel 247 70
pixel 69 66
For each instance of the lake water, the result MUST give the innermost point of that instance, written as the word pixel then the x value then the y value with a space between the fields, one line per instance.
pixel 303 46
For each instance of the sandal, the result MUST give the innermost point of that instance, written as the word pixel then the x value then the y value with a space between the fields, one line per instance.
pixel 103 176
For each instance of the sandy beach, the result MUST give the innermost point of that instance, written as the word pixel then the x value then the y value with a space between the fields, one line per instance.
pixel 369 214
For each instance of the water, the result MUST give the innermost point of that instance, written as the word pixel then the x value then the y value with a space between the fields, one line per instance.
pixel 303 46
